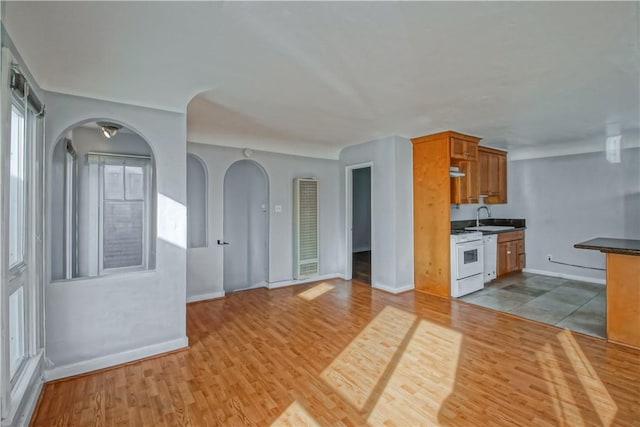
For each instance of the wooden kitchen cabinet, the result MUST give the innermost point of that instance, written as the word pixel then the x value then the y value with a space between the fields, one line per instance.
pixel 432 198
pixel 465 189
pixel 510 256
pixel 463 153
pixel 492 175
pixel 464 147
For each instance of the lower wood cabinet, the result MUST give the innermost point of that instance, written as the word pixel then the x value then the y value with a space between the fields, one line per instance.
pixel 511 256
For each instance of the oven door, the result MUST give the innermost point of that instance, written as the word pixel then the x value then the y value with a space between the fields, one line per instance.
pixel 469 259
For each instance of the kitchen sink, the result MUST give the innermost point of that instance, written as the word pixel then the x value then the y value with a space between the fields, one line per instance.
pixel 490 228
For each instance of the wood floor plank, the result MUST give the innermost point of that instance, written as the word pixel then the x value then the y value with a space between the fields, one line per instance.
pixel 345 354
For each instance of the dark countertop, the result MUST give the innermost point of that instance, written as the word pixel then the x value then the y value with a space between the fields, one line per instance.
pixel 485 232
pixel 612 246
pixel 519 224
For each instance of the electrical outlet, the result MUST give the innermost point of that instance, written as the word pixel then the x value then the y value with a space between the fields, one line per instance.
pixel 548 257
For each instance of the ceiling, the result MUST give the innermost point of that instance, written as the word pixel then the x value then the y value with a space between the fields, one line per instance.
pixel 312 77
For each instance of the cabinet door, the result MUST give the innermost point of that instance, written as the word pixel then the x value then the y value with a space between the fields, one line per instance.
pixel 458 148
pixel 512 257
pixel 464 189
pixel 463 150
pixel 508 259
pixel 502 262
pixel 471 150
pixel 502 178
pixel 483 172
pixel 522 261
pixel 493 175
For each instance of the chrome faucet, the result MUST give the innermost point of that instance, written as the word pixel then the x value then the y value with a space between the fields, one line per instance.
pixel 478 214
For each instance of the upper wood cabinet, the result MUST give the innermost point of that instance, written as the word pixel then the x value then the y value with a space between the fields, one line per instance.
pixel 492 175
pixel 464 147
pixel 465 189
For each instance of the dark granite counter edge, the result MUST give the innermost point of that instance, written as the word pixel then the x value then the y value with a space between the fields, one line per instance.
pixel 485 233
pixel 518 224
pixel 608 250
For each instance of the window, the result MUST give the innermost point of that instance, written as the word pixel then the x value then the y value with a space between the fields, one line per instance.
pixel 17 188
pixel 123 208
pixel 21 278
pixel 18 220
pixel 16 330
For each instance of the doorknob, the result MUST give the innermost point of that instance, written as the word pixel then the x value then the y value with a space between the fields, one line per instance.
pixel 222 242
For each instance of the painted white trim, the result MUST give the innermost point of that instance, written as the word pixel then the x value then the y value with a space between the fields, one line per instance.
pixel 565 276
pixel 391 290
pixel 204 297
pixel 283 283
pixel 114 359
pixel 30 402
pixel 26 392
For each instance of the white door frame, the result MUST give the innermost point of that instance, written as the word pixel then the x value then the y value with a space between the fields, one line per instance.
pixel 348 232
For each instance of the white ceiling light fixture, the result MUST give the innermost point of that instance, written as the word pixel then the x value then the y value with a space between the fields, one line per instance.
pixel 613 148
pixel 108 129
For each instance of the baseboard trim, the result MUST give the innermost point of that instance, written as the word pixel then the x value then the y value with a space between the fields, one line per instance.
pixel 204 297
pixel 391 290
pixel 282 284
pixel 565 276
pixel 97 363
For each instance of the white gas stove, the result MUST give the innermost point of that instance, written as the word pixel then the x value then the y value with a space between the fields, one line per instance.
pixel 467 262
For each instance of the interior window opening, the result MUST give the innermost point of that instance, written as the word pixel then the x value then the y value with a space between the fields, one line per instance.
pixel 103 203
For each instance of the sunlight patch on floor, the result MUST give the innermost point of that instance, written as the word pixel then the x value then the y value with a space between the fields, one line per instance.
pixel 423 378
pixel 295 416
pixel 564 405
pixel 356 372
pixel 600 398
pixel 316 291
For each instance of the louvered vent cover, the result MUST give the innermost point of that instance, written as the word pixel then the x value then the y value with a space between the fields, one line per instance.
pixel 305 224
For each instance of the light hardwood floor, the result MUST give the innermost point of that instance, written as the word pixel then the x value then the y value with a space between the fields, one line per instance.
pixel 337 353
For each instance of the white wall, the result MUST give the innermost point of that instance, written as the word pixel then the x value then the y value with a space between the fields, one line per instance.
pixel 205 265
pixel 573 198
pixel 97 322
pixel 392 209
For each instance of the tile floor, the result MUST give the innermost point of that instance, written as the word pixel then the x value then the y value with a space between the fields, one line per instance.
pixel 579 306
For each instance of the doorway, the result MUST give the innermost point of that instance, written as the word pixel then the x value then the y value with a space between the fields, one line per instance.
pixel 359 211
pixel 246 226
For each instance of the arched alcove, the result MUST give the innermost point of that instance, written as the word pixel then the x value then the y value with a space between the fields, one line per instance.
pixel 246 226
pixel 102 202
pixel 197 199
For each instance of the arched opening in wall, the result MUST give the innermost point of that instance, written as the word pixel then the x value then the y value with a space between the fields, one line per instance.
pixel 196 202
pixel 246 226
pixel 103 202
